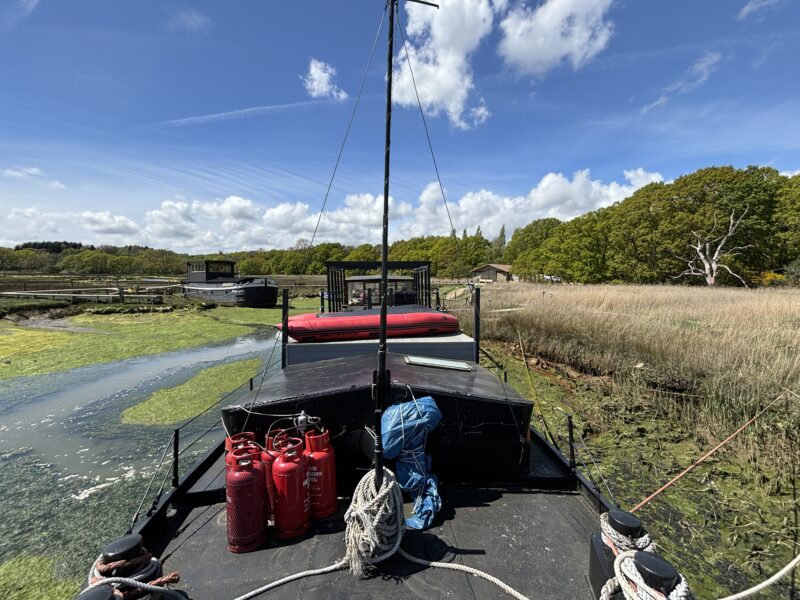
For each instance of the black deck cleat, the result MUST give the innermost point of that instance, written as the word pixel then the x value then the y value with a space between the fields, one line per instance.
pixel 125 547
pixel 656 572
pixel 101 592
pixel 624 522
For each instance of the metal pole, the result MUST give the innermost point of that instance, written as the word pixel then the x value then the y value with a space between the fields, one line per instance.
pixel 322 301
pixel 382 380
pixel 369 297
pixel 438 300
pixel 176 450
pixel 571 443
pixel 476 318
pixel 284 326
pixel 330 301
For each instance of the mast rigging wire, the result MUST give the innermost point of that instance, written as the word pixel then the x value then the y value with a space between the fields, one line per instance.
pixel 344 141
pixel 424 120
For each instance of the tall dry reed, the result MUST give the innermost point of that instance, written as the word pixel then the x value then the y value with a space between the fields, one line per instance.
pixel 709 357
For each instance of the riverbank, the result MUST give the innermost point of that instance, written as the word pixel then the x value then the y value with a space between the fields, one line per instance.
pixel 649 399
pixel 100 338
pixel 726 526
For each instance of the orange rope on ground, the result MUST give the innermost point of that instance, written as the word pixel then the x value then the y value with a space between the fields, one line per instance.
pixel 707 454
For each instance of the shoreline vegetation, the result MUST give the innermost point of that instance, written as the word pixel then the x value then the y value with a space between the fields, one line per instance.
pixel 99 338
pixel 170 405
pixel 654 377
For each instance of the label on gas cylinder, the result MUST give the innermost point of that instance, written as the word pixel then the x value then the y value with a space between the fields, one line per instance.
pixel 315 475
pixel 307 495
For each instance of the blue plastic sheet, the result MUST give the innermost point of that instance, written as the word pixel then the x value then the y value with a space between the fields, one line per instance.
pixel 405 427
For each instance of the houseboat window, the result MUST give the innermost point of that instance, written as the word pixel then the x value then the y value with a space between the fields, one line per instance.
pixel 198 267
pixel 220 267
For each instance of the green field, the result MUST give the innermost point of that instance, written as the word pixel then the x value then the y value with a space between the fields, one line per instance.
pixel 170 405
pixel 101 338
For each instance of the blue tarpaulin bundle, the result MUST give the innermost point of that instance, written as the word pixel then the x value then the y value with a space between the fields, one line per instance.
pixel 404 429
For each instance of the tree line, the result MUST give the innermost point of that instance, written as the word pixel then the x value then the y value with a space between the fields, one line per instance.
pixel 716 225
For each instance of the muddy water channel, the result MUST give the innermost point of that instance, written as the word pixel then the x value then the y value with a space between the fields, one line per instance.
pixel 71 473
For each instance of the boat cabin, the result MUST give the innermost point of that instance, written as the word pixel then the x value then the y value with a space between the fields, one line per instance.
pixel 349 285
pixel 365 290
pixel 202 271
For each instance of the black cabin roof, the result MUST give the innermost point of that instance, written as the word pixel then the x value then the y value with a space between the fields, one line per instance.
pixel 324 378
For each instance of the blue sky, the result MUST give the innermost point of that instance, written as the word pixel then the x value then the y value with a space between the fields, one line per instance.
pixel 204 126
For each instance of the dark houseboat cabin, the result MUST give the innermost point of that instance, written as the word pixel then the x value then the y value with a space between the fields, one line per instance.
pixel 217 281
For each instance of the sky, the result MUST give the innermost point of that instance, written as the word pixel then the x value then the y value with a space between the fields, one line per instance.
pixel 207 126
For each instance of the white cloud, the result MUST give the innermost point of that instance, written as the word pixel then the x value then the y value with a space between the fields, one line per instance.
pixel 319 81
pixel 173 220
pixel 31 221
pixel 555 195
pixel 790 173
pixel 23 172
pixel 695 76
pixel 189 20
pixel 537 40
pixel 237 223
pixel 20 172
pixel 754 6
pixel 106 223
pixel 241 113
pixel 440 45
pixel 17 11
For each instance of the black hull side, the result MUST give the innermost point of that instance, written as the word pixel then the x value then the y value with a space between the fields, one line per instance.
pixel 252 296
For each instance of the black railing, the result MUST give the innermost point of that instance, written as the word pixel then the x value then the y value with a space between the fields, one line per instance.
pixel 172 467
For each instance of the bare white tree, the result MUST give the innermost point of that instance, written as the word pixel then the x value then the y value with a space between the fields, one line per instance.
pixel 710 249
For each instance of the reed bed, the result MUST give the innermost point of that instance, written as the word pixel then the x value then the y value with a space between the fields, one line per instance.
pixel 708 358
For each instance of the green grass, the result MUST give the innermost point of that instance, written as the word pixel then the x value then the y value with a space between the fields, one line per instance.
pixel 9 306
pixel 726 526
pixel 33 578
pixel 170 405
pixel 27 351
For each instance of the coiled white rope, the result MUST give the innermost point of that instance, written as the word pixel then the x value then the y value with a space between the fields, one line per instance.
pixel 375 525
pixel 619 542
pixel 629 581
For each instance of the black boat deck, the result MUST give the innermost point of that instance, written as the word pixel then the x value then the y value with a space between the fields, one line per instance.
pixel 534 540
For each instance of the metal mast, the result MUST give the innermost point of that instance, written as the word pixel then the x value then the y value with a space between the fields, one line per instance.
pixel 381 378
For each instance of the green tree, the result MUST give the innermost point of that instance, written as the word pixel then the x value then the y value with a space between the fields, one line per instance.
pixel 498 245
pixel 529 237
pixel 787 218
pixel 365 252
pixel 8 260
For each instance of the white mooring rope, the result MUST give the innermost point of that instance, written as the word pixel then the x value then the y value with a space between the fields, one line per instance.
pixel 765 584
pixel 375 525
pixel 96 579
pixel 630 582
pixel 619 542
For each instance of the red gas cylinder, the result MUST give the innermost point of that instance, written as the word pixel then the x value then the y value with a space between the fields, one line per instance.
pixel 292 503
pixel 244 506
pixel 238 438
pixel 268 456
pixel 253 452
pixel 321 473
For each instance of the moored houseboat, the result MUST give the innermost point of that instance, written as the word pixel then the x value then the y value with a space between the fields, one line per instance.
pixel 217 281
